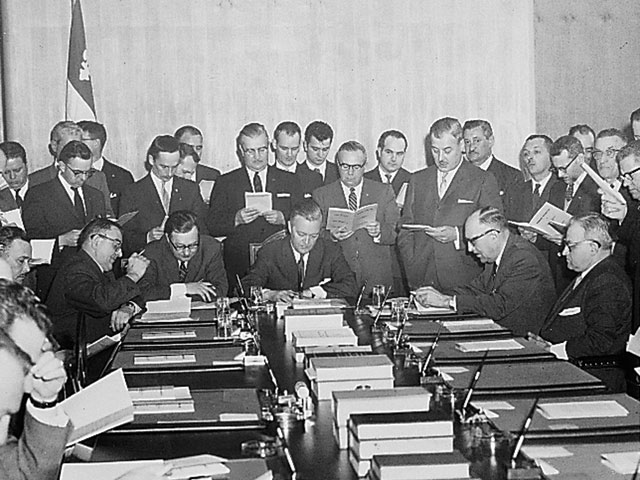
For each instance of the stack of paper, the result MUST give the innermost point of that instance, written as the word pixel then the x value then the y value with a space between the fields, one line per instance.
pixel 588 409
pixel 307 353
pixel 311 319
pixel 175 309
pixel 348 220
pixel 420 466
pixel 481 346
pixel 163 399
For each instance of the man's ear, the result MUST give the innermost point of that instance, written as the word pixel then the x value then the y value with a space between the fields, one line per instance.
pixel 492 140
pixel 274 145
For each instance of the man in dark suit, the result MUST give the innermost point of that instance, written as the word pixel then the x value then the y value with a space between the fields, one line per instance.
pixel 86 284
pixel 229 214
pixel 15 249
pixel 479 141
pixel 184 262
pixel 16 174
pixel 192 136
pixel 157 195
pixel 515 289
pixel 317 142
pixel 392 146
pixel 591 321
pixel 439 200
pixel 303 263
pixel 286 145
pixel 60 208
pixel 94 136
pixel 368 250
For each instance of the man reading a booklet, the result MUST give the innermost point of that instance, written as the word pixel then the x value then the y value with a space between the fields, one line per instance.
pixel 515 288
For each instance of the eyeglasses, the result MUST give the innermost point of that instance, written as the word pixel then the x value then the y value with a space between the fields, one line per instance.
pixel 564 169
pixel 628 176
pixel 609 152
pixel 184 248
pixel 473 240
pixel 117 244
pixel 87 173
pixel 345 167
pixel 255 152
pixel 572 245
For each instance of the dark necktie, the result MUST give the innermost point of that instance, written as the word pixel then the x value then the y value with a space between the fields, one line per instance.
pixel 353 200
pixel 257 183
pixel 300 273
pixel 568 193
pixel 182 271
pixel 536 190
pixel 492 277
pixel 78 205
pixel 18 198
pixel 388 175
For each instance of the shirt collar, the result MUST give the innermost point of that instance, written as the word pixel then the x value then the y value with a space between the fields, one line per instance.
pixel 578 182
pixel 543 182
pixel 487 163
pixel 291 169
pixel 347 191
pixel 297 255
pixel 450 174
pixel 383 175
pixel 67 188
pixel 499 259
pixel 586 272
pixel 98 164
pixel 22 190
pixel 262 174
pixel 157 182
pixel 322 168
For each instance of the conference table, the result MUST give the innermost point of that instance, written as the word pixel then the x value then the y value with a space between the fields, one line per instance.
pixel 311 451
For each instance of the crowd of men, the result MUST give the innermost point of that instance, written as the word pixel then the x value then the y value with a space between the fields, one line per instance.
pixel 442 233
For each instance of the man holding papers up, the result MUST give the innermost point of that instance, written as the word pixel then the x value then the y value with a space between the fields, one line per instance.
pixel 591 321
pixel 367 242
pixel 302 263
pixel 252 202
pixel 515 289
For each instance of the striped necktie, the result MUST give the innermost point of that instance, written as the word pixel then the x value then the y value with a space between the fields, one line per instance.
pixel 353 199
pixel 182 271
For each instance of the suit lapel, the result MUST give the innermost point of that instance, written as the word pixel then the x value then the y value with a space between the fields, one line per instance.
pixel 456 183
pixel 148 190
pixel 290 263
pixel 63 199
pixel 314 266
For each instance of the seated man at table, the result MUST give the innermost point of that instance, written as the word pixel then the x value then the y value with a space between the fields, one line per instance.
pixel 86 284
pixel 515 289
pixel 591 321
pixel 302 263
pixel 184 262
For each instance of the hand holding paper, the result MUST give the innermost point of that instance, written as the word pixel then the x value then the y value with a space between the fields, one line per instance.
pixel 246 215
pixel 443 234
pixel 612 208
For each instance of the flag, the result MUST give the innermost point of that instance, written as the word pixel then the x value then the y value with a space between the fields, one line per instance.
pixel 79 104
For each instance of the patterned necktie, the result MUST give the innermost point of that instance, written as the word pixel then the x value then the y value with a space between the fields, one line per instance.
pixel 389 176
pixel 182 271
pixel 492 277
pixel 78 205
pixel 300 273
pixel 442 188
pixel 166 197
pixel 568 195
pixel 353 200
pixel 18 198
pixel 536 190
pixel 257 183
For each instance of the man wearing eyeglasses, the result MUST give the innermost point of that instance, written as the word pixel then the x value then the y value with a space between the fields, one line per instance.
pixel 157 195
pixel 183 262
pixel 591 321
pixel 515 289
pixel 192 136
pixel 229 214
pixel 86 284
pixel 368 250
pixel 60 208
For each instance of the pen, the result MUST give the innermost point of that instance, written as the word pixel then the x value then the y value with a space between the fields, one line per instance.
pixel 240 287
pixel 474 382
pixel 360 295
pixel 384 300
pixel 432 350
pixel 523 432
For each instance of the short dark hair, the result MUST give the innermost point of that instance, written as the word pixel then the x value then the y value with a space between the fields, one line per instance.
pixel 567 142
pixel 446 125
pixel 8 234
pixel 187 150
pixel 318 129
pixel 182 221
pixel 582 129
pixel 595 225
pixel 290 128
pixel 14 150
pixel 162 143
pixel 493 217
pixel 631 149
pixel 251 130
pixel 95 129
pixel 545 138
pixel 18 301
pixel 190 129
pixel 96 226
pixel 307 209
pixel 484 124
pixel 352 146
pixel 73 149
pixel 612 132
pixel 635 116
pixel 8 345
pixel 392 133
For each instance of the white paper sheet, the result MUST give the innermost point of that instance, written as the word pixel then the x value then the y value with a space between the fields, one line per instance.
pixel 42 250
pixel 590 409
pixel 481 346
pixel 13 217
pixel 624 463
pixel 261 201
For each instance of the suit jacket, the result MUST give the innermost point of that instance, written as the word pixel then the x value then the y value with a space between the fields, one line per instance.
pixel 525 205
pixel 206 265
pixel 227 198
pixel 206 173
pixel 7 200
pixel 595 317
pixel 330 173
pixel 43 175
pixel 518 296
pixel 118 179
pixel 508 179
pixel 143 197
pixel 309 180
pixel 370 261
pixel 37 454
pixel 403 176
pixel 99 181
pixel 629 234
pixel 276 269
pixel 81 286
pixel 427 261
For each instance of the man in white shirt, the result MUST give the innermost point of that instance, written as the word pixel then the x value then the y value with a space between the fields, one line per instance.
pixel 16 174
pixel 608 143
pixel 318 137
pixel 15 249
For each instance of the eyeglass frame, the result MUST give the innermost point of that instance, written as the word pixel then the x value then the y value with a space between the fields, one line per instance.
pixel 628 176
pixel 345 167
pixel 255 152
pixel 597 154
pixel 183 248
pixel 117 244
pixel 570 247
pixel 473 240
pixel 564 169
pixel 87 173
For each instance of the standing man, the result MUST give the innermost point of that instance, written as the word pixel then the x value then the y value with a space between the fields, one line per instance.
pixel 157 195
pixel 317 142
pixel 478 142
pixel 16 174
pixel 94 136
pixel 392 146
pixel 183 262
pixel 591 321
pixel 15 249
pixel 368 250
pixel 60 208
pixel 193 136
pixel 229 214
pixel 441 199
pixel 608 143
pixel 587 138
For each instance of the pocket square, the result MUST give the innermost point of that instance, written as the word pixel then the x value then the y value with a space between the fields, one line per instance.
pixel 113 195
pixel 283 195
pixel 569 311
pixel 501 193
pixel 467 202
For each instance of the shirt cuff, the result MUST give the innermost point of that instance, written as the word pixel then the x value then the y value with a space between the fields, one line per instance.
pixel 454 303
pixel 560 350
pixel 136 308
pixel 456 242
pixel 318 292
pixel 178 290
pixel 54 417
pixel 377 239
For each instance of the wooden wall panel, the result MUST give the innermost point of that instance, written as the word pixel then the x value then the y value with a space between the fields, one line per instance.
pixel 362 65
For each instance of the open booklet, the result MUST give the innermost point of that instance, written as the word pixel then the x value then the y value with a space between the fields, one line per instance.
pixel 549 220
pixel 351 220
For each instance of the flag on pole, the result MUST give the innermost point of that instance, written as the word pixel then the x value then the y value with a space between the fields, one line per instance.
pixel 79 102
